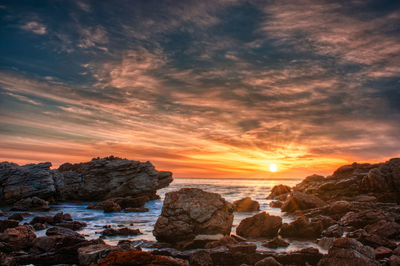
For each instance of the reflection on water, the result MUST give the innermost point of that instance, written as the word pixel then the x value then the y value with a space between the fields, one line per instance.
pixel 230 189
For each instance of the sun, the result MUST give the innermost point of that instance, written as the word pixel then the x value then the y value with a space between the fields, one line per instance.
pixel 273 168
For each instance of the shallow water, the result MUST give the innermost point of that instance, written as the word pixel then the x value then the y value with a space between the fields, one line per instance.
pixel 230 189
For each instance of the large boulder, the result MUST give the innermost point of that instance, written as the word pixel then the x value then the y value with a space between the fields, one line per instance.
pixel 190 212
pixel 259 225
pixel 246 205
pixel 19 182
pixel 278 190
pixel 108 178
pixel 301 201
pixel 31 204
pixel 348 251
pixel 302 228
pixel 18 238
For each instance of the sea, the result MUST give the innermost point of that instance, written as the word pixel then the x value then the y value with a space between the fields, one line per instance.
pixel 230 189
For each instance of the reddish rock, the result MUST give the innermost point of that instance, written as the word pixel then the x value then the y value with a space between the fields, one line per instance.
pixel 19 237
pixel 121 232
pixel 348 251
pixel 136 210
pixel 334 231
pixel 225 240
pixel 39 226
pixel 277 242
pixel 56 230
pixel 278 190
pixel 340 206
pixel 385 229
pixel 362 218
pixel 382 252
pixel 131 202
pixel 91 254
pixel 42 220
pixel 301 228
pixel 301 201
pixel 276 204
pixel 111 206
pixel 246 205
pixel 268 261
pixel 16 216
pixel 4 224
pixel 190 212
pixel 325 220
pixel 304 257
pixel 31 204
pixel 201 258
pixel 136 257
pixel 259 225
pixel 394 260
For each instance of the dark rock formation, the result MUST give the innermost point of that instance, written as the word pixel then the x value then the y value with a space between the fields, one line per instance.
pixel 259 225
pixel 121 232
pixel 277 242
pixel 17 238
pixel 190 212
pixel 16 216
pixel 60 219
pixel 301 201
pixel 99 179
pixel 278 190
pixel 4 224
pixel 268 261
pixel 246 205
pixel 301 228
pixel 31 204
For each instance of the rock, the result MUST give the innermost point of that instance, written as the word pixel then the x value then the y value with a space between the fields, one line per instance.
pixel 301 201
pixel 382 252
pixel 371 240
pixel 305 256
pixel 278 190
pixel 259 225
pixel 62 231
pixel 396 251
pixel 277 242
pixel 74 225
pixel 246 205
pixel 19 237
pixel 326 242
pixel 4 224
pixel 340 206
pixel 109 178
pixel 244 248
pixel 394 260
pixel 301 228
pixel 201 258
pixel 39 226
pixel 131 202
pixel 362 218
pixel 325 220
pixel 136 257
pixel 276 204
pixel 31 204
pixel 16 216
pixel 110 206
pixel 136 210
pixel 89 255
pixel 334 231
pixel 190 212
pixel 225 240
pixel 60 219
pixel 67 217
pixel 42 220
pixel 268 261
pixel 348 251
pixel 121 232
pixel 386 229
pixel 31 180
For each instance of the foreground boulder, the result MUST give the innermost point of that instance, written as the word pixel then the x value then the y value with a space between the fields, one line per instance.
pixel 190 212
pixel 301 201
pixel 97 180
pixel 259 225
pixel 18 238
pixel 348 251
pixel 246 205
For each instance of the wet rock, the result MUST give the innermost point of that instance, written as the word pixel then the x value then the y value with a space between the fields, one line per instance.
pixel 348 251
pixel 382 252
pixel 386 229
pixel 259 225
pixel 136 257
pixel 67 217
pixel 326 242
pixel 371 240
pixel 362 218
pixel 246 205
pixel 108 178
pixel 131 202
pixel 394 260
pixel 136 210
pixel 223 241
pixel 190 212
pixel 278 190
pixel 16 216
pixel 301 201
pixel 340 206
pixel 277 242
pixel 396 251
pixel 201 258
pixel 4 224
pixel 42 220
pixel 326 221
pixel 19 237
pixel 334 231
pixel 60 219
pixel 121 232
pixel 31 204
pixel 305 256
pixel 301 228
pixel 74 225
pixel 39 226
pixel 89 255
pixel 21 182
pixel 62 231
pixel 111 206
pixel 268 261
pixel 276 204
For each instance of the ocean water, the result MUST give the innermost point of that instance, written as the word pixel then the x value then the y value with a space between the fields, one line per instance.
pixel 230 189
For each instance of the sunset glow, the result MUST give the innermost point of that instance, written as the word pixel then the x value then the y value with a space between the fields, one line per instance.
pixel 201 88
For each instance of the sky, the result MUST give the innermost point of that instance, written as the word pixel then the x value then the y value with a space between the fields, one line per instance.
pixel 201 88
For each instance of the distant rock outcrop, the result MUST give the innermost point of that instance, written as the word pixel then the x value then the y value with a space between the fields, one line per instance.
pixel 99 179
pixel 190 212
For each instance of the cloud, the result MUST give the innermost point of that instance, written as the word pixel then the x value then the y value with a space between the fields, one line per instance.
pixel 35 27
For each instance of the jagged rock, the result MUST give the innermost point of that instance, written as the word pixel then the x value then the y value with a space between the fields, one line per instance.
pixel 301 201
pixel 223 241
pixel 39 226
pixel 371 240
pixel 277 242
pixel 201 258
pixel 111 206
pixel 348 251
pixel 4 224
pixel 20 182
pixel 382 252
pixel 333 231
pixel 278 190
pixel 60 219
pixel 385 229
pixel 362 218
pixel 394 260
pixel 326 242
pixel 301 228
pixel 340 206
pixel 121 232
pixel 268 261
pixel 305 256
pixel 19 237
pixel 109 178
pixel 259 225
pixel 136 257
pixel 276 204
pixel 56 230
pixel 190 212
pixel 326 221
pixel 31 204
pixel 89 255
pixel 246 205
pixel 16 216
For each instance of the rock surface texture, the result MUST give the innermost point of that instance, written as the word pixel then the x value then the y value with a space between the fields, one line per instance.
pixel 190 212
pixel 99 179
pixel 259 225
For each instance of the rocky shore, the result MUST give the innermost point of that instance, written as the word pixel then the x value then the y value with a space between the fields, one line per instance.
pixel 354 214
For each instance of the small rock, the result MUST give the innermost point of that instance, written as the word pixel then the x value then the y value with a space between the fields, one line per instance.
pixel 4 224
pixel 31 204
pixel 341 206
pixel 326 242
pixel 56 230
pixel 301 228
pixel 394 260
pixel 121 232
pixel 111 206
pixel 259 225
pixel 278 190
pixel 201 258
pixel 16 216
pixel 382 252
pixel 136 209
pixel 277 242
pixel 246 205
pixel 19 237
pixel 92 254
pixel 276 204
pixel 39 226
pixel 268 261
